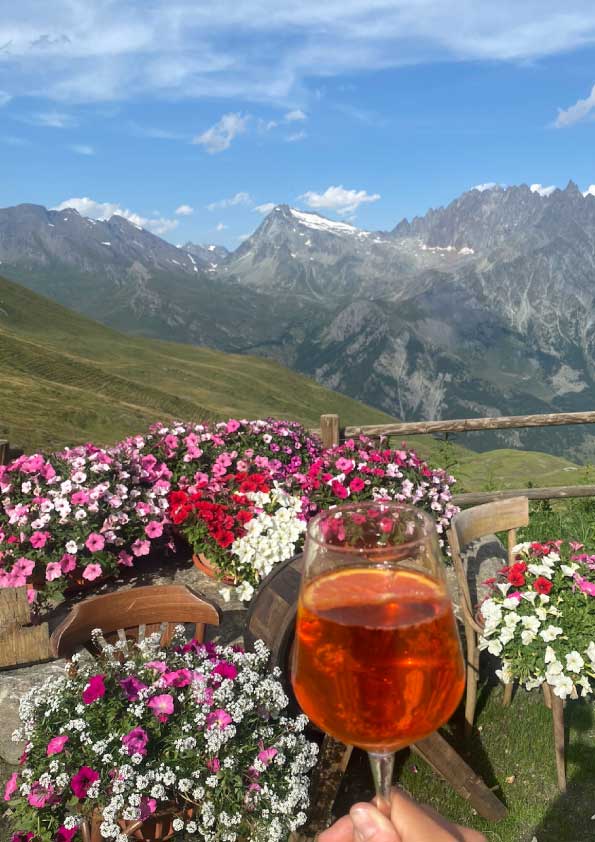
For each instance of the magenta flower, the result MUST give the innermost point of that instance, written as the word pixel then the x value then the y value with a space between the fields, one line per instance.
pixel 219 718
pixel 63 834
pixel 135 741
pixel 213 765
pixel 23 567
pixel 11 786
pixel 147 807
pixel 79 498
pixel 177 678
pixel 158 666
pixel 39 540
pixel 40 795
pixel 232 425
pixel 22 836
pixel 141 547
pixel 162 706
pixel 344 465
pixel 56 745
pixel 584 585
pixel 267 754
pixel 94 690
pixel 131 687
pixel 95 542
pixel 92 571
pixel 154 529
pixel 226 670
pixel 83 779
pixel 53 571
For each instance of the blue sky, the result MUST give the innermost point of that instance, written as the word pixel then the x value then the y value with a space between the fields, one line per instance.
pixel 192 117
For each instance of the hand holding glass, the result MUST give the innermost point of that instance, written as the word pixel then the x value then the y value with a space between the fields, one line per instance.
pixel 377 660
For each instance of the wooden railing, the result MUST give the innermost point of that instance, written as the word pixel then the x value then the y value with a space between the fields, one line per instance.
pixel 3 451
pixel 331 434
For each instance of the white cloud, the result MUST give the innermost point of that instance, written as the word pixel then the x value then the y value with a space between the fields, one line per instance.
pixel 4 98
pixel 577 112
pixel 296 115
pixel 239 199
pixel 543 191
pixel 53 119
pixel 219 137
pixel 184 210
pixel 590 191
pixel 266 208
pixel 220 226
pixel 338 199
pixel 296 137
pixel 82 149
pixel 489 185
pixel 79 51
pixel 104 210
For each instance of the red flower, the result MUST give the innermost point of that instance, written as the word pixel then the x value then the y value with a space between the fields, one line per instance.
pixel 515 573
pixel 357 484
pixel 542 585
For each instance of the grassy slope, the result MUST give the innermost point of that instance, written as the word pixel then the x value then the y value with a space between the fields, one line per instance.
pixel 65 379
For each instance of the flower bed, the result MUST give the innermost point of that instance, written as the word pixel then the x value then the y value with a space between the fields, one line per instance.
pixel 77 516
pixel 195 730
pixel 359 470
pixel 540 618
pixel 244 529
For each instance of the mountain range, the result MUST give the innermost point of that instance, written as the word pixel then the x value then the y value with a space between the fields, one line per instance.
pixel 484 307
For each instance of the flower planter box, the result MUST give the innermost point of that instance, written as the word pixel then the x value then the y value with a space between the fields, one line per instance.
pixel 20 642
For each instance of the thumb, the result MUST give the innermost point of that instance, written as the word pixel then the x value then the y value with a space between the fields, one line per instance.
pixel 369 825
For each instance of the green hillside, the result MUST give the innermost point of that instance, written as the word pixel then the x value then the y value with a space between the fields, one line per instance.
pixel 66 379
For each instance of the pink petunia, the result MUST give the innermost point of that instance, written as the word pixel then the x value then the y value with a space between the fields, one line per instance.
pixel 67 563
pixel 214 764
pixel 154 529
pixel 92 571
pixel 83 779
pixel 135 741
pixel 125 559
pixel 95 542
pixel 357 484
pixel 141 547
pixel 53 571
pixel 39 540
pixel 158 666
pixel 344 465
pixel 131 685
pixel 226 670
pixel 147 807
pixel 339 489
pixel 94 690
pixel 56 745
pixel 23 567
pixel 177 678
pixel 11 786
pixel 40 796
pixel 267 754
pixel 80 498
pixel 219 718
pixel 232 425
pixel 162 706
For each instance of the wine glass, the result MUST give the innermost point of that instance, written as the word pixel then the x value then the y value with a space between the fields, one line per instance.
pixel 377 660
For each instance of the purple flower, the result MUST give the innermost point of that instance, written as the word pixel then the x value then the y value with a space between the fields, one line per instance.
pixel 135 741
pixel 131 687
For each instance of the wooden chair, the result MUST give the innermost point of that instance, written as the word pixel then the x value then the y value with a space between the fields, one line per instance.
pixel 467 526
pixel 131 615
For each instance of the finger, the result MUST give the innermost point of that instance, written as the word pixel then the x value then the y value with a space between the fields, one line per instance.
pixel 417 823
pixel 341 831
pixel 369 825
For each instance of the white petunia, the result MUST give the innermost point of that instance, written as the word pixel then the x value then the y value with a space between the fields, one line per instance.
pixel 551 633
pixel 527 637
pixel 530 622
pixel 569 569
pixel 521 548
pixel 591 652
pixel 574 662
pixel 550 655
pixel 494 647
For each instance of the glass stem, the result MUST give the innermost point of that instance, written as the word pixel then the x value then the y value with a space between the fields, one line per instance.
pixel 382 764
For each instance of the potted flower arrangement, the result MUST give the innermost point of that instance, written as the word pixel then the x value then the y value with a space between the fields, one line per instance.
pixel 279 447
pixel 540 618
pixel 359 470
pixel 192 734
pixel 76 516
pixel 241 530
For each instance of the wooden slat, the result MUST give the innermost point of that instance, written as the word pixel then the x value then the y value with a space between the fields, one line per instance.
pixel 462 425
pixel 4 452
pixel 475 498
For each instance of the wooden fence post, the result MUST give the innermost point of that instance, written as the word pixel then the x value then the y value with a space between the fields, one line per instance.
pixel 329 430
pixel 3 452
pixel 20 643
